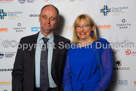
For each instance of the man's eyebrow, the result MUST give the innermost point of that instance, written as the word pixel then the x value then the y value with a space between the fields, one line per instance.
pixel 52 17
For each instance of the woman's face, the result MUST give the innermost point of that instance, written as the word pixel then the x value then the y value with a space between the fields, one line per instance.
pixel 83 30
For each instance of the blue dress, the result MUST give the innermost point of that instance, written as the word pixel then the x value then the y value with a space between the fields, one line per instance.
pixel 88 68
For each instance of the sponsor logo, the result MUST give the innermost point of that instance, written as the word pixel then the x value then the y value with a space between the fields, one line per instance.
pixel 123 82
pixel 69 27
pixel 52 0
pixel 105 10
pixel 9 54
pixel 118 63
pixel 3 70
pixel 28 1
pixel 34 15
pixel 35 29
pixel 4 1
pixel 19 28
pixel 113 10
pixel 2 14
pixel 14 14
pixel 123 24
pixel 3 29
pixel 118 66
pixel 21 1
pixel 5 83
pixel 9 14
pixel 1 54
pixel 104 26
pixel 135 83
pixel 130 52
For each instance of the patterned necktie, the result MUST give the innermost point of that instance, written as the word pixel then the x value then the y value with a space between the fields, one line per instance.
pixel 44 81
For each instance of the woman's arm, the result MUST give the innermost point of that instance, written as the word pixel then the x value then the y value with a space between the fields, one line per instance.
pixel 107 67
pixel 67 75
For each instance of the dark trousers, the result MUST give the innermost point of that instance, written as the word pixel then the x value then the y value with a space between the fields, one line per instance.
pixel 50 89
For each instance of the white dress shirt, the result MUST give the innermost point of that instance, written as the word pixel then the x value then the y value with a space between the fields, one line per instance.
pixel 38 56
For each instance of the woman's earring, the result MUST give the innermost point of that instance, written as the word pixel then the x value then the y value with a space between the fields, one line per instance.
pixel 77 36
pixel 92 33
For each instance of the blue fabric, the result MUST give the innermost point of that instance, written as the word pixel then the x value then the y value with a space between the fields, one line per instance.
pixel 88 68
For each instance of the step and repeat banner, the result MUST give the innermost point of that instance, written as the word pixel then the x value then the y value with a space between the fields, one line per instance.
pixel 115 21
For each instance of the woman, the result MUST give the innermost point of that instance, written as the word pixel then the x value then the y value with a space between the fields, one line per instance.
pixel 89 62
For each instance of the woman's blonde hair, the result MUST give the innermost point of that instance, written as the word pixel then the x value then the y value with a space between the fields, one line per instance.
pixel 88 20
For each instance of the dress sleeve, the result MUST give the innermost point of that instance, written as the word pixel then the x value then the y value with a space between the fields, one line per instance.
pixel 67 75
pixel 107 68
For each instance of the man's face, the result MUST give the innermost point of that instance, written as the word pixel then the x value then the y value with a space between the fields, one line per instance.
pixel 48 20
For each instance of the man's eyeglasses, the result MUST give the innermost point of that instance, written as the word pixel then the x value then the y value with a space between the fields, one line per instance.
pixel 83 26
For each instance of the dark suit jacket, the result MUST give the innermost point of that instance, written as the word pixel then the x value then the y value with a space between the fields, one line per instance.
pixel 23 74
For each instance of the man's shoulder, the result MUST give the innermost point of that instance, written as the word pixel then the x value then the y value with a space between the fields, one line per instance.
pixel 61 38
pixel 29 37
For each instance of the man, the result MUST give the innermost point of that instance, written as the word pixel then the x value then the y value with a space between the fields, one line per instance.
pixel 31 60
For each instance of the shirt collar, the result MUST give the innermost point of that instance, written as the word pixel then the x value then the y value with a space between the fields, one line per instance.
pixel 51 37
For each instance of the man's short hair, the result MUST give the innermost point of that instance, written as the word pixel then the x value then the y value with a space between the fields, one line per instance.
pixel 51 6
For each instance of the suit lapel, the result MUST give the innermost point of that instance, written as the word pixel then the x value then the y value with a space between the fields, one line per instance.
pixel 55 51
pixel 32 52
pixel 32 55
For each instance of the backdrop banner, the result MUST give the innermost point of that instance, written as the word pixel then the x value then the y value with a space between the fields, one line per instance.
pixel 115 21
